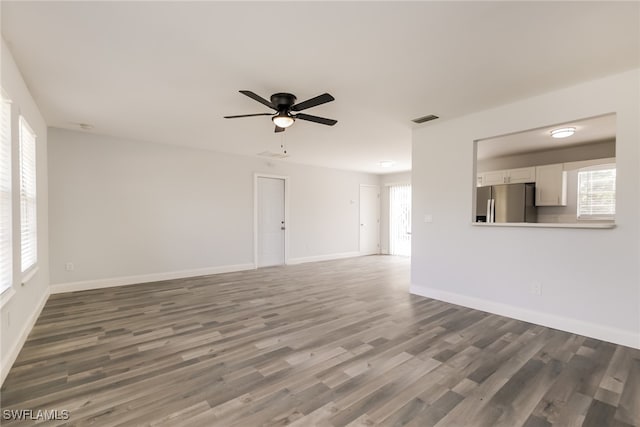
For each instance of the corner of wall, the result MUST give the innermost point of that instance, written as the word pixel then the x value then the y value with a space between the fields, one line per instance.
pixel 26 303
pixel 12 354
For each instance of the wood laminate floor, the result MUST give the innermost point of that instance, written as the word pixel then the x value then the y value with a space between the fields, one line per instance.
pixel 329 344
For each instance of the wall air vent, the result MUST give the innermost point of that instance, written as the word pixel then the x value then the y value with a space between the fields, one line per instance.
pixel 425 119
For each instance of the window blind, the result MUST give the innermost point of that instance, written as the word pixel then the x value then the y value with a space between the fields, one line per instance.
pixel 28 222
pixel 6 268
pixel 597 192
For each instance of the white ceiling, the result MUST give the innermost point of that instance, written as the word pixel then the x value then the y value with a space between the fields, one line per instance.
pixel 590 130
pixel 168 71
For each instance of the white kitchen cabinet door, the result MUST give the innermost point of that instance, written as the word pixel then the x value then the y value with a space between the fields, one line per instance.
pixel 521 175
pixel 493 178
pixel 551 185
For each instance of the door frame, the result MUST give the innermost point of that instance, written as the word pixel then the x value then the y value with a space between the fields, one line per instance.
pixel 257 175
pixel 377 187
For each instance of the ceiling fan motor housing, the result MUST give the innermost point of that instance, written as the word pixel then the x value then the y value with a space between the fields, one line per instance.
pixel 283 101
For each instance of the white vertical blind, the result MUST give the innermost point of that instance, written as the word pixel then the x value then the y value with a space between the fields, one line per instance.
pixel 28 223
pixel 597 192
pixel 400 220
pixel 5 197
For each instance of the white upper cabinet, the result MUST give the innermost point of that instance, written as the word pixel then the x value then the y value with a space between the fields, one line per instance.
pixel 493 178
pixel 521 175
pixel 551 185
pixel 550 180
pixel 508 176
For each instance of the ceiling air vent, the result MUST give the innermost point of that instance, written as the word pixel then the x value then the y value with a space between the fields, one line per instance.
pixel 425 119
pixel 273 155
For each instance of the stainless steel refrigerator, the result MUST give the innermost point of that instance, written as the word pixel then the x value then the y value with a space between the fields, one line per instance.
pixel 506 203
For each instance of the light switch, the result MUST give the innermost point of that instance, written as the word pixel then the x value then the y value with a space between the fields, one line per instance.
pixel 428 218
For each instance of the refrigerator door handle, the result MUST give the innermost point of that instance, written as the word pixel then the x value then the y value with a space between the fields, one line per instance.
pixel 488 210
pixel 493 210
pixel 490 213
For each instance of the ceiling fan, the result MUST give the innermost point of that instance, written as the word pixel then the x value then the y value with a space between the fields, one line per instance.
pixel 284 104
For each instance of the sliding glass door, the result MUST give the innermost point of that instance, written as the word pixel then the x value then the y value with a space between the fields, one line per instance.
pixel 400 220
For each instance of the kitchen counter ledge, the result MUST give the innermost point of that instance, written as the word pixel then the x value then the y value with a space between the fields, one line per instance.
pixel 600 225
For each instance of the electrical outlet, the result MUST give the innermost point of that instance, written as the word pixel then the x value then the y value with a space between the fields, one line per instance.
pixel 428 218
pixel 536 288
pixel 69 266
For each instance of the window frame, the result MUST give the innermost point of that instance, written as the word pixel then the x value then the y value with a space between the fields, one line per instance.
pixel 28 200
pixel 596 217
pixel 6 186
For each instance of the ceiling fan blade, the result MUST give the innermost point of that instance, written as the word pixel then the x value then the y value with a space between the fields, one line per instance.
pixel 318 100
pixel 248 115
pixel 279 129
pixel 258 98
pixel 316 119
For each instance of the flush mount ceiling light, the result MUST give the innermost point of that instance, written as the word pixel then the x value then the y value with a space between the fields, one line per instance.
pixel 425 118
pixel 282 119
pixel 387 163
pixel 562 132
pixel 83 126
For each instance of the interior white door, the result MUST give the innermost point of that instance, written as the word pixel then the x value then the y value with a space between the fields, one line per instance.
pixel 369 219
pixel 271 225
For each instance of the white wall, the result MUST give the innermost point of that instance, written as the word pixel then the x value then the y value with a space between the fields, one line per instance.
pixel 590 278
pixel 135 211
pixel 386 181
pixel 20 310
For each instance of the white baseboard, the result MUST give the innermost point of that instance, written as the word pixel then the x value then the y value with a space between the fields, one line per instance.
pixel 369 253
pixel 145 278
pixel 327 257
pixel 574 326
pixel 12 355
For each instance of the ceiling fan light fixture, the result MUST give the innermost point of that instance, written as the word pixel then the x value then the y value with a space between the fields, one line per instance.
pixel 563 132
pixel 283 120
